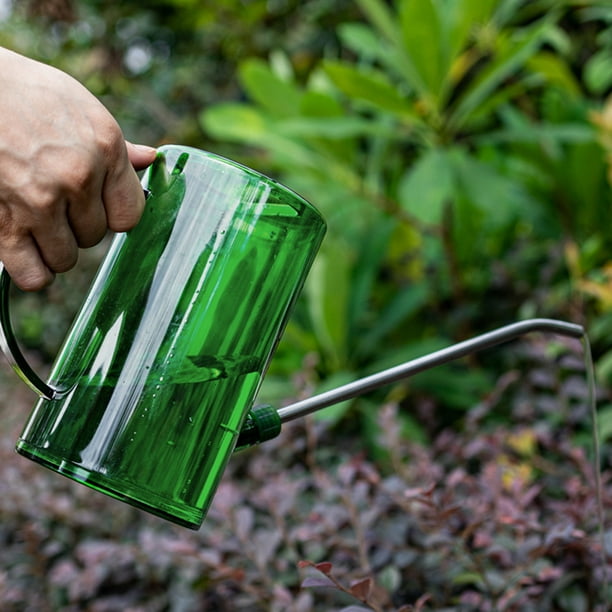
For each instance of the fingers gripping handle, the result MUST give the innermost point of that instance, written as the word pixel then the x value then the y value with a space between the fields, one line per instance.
pixel 10 347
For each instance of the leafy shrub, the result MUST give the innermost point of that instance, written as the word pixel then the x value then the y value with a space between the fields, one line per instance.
pixel 496 517
pixel 450 147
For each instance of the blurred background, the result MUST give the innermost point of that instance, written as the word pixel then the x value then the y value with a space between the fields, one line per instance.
pixel 461 153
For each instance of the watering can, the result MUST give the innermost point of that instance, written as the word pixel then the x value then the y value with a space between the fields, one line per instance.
pixel 154 386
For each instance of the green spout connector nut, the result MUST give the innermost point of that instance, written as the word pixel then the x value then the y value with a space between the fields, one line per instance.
pixel 261 424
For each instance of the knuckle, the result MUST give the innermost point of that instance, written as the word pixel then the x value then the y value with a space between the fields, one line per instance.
pixel 64 260
pixel 110 141
pixel 15 227
pixel 6 220
pixel 80 175
pixel 125 209
pixel 26 272
pixel 93 236
pixel 123 221
pixel 41 201
pixel 33 280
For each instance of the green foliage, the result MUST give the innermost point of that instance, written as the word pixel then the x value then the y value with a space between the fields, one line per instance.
pixel 449 146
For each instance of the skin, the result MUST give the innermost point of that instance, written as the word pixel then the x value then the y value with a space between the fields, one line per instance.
pixel 67 175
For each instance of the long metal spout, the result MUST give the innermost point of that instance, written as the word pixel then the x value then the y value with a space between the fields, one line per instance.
pixel 456 351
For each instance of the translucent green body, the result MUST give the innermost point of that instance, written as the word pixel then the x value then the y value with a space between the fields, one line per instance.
pixel 167 354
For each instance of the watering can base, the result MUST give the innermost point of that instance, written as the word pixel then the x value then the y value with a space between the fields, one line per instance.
pixel 191 518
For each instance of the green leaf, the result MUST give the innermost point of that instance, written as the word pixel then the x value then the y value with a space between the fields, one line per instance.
pixel 604 422
pixel 366 273
pixel 382 18
pixel 512 54
pixel 327 292
pixel 555 71
pixel 598 72
pixel 320 104
pixel 360 39
pixel 324 125
pixel 455 386
pixel 581 177
pixel 537 133
pixel 457 20
pixel 234 122
pixel 281 66
pixel 487 205
pixel 498 100
pixel 337 128
pixel 427 187
pixel 604 369
pixel 243 123
pixel 498 197
pixel 506 11
pixel 423 43
pixel 369 85
pixel 402 306
pixel 276 95
pixel 391 51
pixel 470 578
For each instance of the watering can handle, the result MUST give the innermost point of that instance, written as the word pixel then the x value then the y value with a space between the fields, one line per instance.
pixel 10 346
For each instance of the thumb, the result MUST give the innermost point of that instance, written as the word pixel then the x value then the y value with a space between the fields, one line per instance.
pixel 140 156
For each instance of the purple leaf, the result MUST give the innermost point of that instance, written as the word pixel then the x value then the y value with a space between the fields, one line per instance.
pixel 325 567
pixel 362 589
pixel 317 581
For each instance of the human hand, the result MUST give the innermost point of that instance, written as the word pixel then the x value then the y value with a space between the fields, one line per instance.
pixel 66 172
